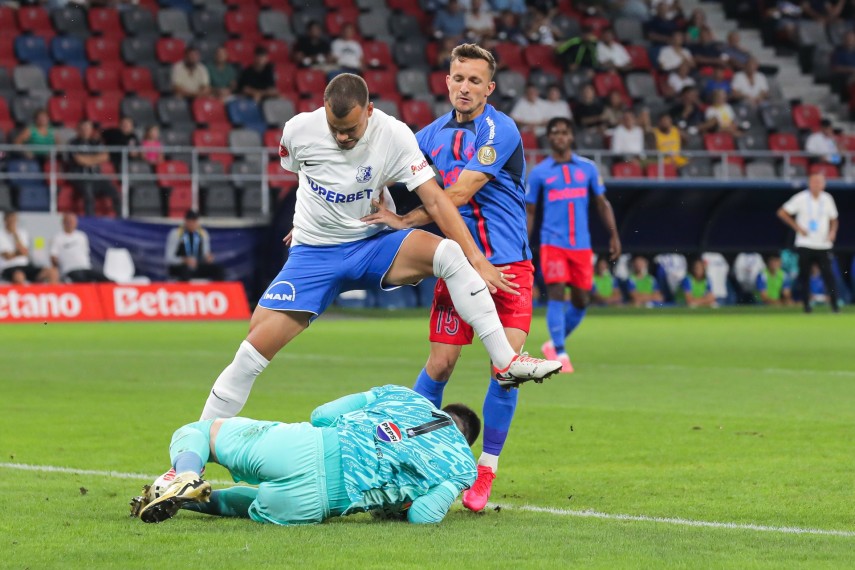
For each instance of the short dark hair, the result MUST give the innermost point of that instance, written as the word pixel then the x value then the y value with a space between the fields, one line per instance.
pixel 466 418
pixel 557 121
pixel 474 51
pixel 345 92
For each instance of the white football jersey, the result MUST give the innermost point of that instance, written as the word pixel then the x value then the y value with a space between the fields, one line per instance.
pixel 337 186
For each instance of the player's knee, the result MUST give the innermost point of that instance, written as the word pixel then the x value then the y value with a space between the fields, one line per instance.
pixel 448 259
pixel 187 437
pixel 440 366
pixel 580 299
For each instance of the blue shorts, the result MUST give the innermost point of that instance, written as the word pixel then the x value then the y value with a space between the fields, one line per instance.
pixel 314 275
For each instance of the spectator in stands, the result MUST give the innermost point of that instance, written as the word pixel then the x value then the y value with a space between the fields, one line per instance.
pixel 614 109
pixel 822 145
pixel 39 135
pixel 555 104
pixel 812 214
pixel 606 290
pixel 633 9
pixel 509 30
pixel 673 8
pixel 152 147
pixel 668 140
pixel 785 16
pixel 611 55
pixel 347 51
pixel 697 22
pixel 189 77
pixel 122 136
pixel 15 264
pixel 718 82
pixel 688 115
pixel 312 49
pixel 579 52
pixel 513 6
pixel 540 29
pixel 450 21
pixel 69 253
pixel 643 288
pixel 674 54
pixel 722 113
pixel 696 287
pixel 660 28
pixel 773 285
pixel 628 139
pixel 188 252
pixel 257 80
pixel 824 11
pixel 843 62
pixel 531 112
pixel 480 21
pixel 750 85
pixel 737 57
pixel 708 52
pixel 86 160
pixel 679 79
pixel 223 75
pixel 589 111
pixel 443 53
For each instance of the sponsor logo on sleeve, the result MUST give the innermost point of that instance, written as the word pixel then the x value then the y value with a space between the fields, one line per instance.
pixel 389 432
pixel 419 167
pixel 363 174
pixel 486 155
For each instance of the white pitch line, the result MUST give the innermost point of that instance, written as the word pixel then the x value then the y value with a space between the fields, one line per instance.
pixel 526 508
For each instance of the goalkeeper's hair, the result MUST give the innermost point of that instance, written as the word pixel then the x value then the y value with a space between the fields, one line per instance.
pixel 474 51
pixel 345 92
pixel 466 419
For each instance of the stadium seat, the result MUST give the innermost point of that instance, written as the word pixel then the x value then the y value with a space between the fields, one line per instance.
pixel 787 142
pixel 573 83
pixel 178 136
pixel 271 140
pixel 629 30
pixel 145 200
pixel 244 143
pixel 209 22
pixel 243 22
pixel 437 84
pixel 137 80
pixel 35 20
pixel 104 110
pixel 627 170
pixel 668 170
pixel 377 54
pixel 753 140
pixel 33 50
pixel 102 79
pixel 405 26
pixel 241 52
pixel 589 139
pixel 279 5
pixel 642 86
pixel 416 113
pixel 391 108
pixel 311 103
pixel 103 50
pixel 722 143
pixel 139 51
pixel 640 58
pixel 209 111
pixel 541 56
pixel 605 83
pixel 219 139
pixel 275 24
pixel 758 170
pixel 413 83
pixel 277 112
pixel 380 81
pixel 284 74
pixel 69 50
pixel 310 81
pixel 829 170
pixel 697 168
pixel 543 80
pixel 29 79
pixel 244 112
pixel 806 117
pixel 6 122
pixel 27 179
pixel 219 199
pixel 777 117
pixel 139 109
pixel 8 60
pixel 66 110
pixel 277 49
pixel 510 84
pixel 510 56
pixel 279 178
pixel 9 21
pixel 70 21
pixel 65 79
pixel 175 113
pixel 24 108
pixel 172 174
pixel 138 21
pixel 410 54
pixel 335 20
pixel 105 23
pixel 728 170
pixel 169 50
pixel 173 23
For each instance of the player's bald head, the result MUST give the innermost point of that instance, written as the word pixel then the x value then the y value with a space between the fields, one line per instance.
pixel 345 92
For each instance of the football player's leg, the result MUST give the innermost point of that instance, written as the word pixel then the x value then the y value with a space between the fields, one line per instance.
pixel 555 321
pixel 434 377
pixel 231 502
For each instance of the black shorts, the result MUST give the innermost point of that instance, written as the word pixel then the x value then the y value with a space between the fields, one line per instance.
pixel 31 272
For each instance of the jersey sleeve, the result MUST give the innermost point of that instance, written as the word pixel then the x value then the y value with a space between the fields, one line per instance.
pixel 760 284
pixel 832 208
pixel 326 415
pixel 286 149
pixel 534 187
pixel 410 166
pixel 791 206
pixel 595 182
pixel 630 285
pixel 432 507
pixel 686 285
pixel 495 143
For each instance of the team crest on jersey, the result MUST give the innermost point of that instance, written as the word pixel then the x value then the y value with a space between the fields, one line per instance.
pixel 363 174
pixel 486 155
pixel 389 432
pixel 283 152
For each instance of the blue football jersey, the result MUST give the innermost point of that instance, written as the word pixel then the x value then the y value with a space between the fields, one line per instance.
pixel 491 144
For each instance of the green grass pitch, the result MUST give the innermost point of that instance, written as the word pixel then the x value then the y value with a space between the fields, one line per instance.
pixel 741 418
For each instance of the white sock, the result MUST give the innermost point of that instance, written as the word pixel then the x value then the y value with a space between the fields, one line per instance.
pixel 490 460
pixel 231 389
pixel 472 300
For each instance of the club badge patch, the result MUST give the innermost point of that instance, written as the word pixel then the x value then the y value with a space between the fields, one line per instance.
pixel 389 432
pixel 486 155
pixel 283 152
pixel 363 174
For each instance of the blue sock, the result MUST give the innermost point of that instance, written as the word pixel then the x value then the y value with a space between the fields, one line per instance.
pixel 555 323
pixel 190 447
pixel 573 317
pixel 429 388
pixel 187 461
pixel 499 406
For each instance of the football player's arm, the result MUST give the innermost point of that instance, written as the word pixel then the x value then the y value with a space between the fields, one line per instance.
pixel 468 183
pixel 432 507
pixel 532 196
pixel 607 215
pixel 326 415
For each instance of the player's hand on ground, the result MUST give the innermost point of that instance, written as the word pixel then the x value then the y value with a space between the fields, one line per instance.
pixel 615 248
pixel 496 277
pixel 287 239
pixel 382 215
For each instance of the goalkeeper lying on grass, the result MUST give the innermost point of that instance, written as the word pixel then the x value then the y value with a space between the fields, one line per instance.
pixel 388 450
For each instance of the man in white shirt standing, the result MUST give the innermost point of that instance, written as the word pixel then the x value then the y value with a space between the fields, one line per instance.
pixel 345 154
pixel 628 139
pixel 15 264
pixel 530 112
pixel 69 253
pixel 812 214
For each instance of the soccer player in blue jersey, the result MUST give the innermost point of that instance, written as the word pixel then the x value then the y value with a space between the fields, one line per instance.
pixel 564 183
pixel 387 450
pixel 478 153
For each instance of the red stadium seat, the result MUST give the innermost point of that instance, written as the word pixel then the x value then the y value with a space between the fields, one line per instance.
pixel 105 22
pixel 336 20
pixel 180 200
pixel 543 57
pixel 175 175
pixel 169 50
pixel 377 54
pixel 807 116
pixel 627 170
pixel 437 83
pixel 787 142
pixel 846 143
pixel 279 178
pixel 668 170
pixel 217 138
pixel 68 201
pixel 104 110
pixel 35 20
pixel 605 83
pixel 284 74
pixel 241 52
pixel 65 78
pixel 723 143
pixel 510 56
pixel 272 138
pixel 277 49
pixel 597 24
pixel 8 21
pixel 6 122
pixel 103 78
pixel 640 58
pixel 416 113
pixel 8 59
pixel 310 81
pixel 339 4
pixel 211 112
pixel 280 5
pixel 66 110
pixel 101 50
pixel 829 170
pixel 242 22
pixel 137 80
pixel 313 103
pixel 380 81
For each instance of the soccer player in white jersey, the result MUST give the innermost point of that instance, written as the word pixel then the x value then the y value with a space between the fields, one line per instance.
pixel 345 154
